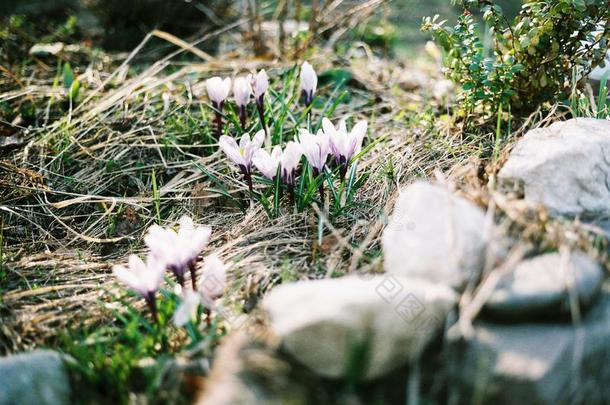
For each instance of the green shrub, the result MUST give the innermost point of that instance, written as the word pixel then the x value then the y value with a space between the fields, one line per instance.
pixel 530 60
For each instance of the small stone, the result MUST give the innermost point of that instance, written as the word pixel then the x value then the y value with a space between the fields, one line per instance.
pixel 386 320
pixel 565 167
pixel 539 286
pixel 435 235
pixel 39 377
pixel 546 363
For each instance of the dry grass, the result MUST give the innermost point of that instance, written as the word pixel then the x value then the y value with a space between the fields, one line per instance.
pixel 79 195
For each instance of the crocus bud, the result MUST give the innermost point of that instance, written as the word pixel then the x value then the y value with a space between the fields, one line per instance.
pixel 218 90
pixel 242 90
pixel 260 84
pixel 214 280
pixel 309 82
pixel 290 161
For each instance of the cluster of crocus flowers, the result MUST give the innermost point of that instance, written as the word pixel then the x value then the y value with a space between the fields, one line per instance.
pixel 178 252
pixel 244 87
pixel 256 85
pixel 330 141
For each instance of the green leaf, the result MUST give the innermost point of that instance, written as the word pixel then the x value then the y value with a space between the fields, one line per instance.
pixel 68 75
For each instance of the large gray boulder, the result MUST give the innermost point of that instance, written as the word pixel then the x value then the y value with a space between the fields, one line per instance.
pixel 435 235
pixel 39 377
pixel 565 167
pixel 386 320
pixel 546 363
pixel 543 286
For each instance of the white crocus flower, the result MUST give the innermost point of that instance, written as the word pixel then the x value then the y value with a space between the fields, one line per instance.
pixel 143 278
pixel 290 161
pixel 260 84
pixel 343 144
pixel 268 163
pixel 178 250
pixel 213 281
pixel 243 153
pixel 187 309
pixel 316 148
pixel 211 287
pixel 218 90
pixel 242 90
pixel 309 82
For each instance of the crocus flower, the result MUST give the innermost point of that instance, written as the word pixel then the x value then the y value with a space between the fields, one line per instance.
pixel 316 149
pixel 260 83
pixel 178 250
pixel 143 278
pixel 218 91
pixel 243 153
pixel 214 280
pixel 309 82
pixel 344 145
pixel 187 308
pixel 268 163
pixel 242 90
pixel 211 288
pixel 289 163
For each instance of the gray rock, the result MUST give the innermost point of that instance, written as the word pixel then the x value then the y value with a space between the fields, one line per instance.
pixel 565 167
pixel 539 286
pixel 436 235
pixel 388 320
pixel 537 363
pixel 248 372
pixel 39 377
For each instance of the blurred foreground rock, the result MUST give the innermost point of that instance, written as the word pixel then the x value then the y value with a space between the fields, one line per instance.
pixel 435 235
pixel 565 167
pixel 248 373
pixel 334 326
pixel 541 286
pixel 39 377
pixel 545 363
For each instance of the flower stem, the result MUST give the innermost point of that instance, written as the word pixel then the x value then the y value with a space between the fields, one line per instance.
pixel 192 268
pixel 243 116
pixel 343 171
pixel 291 192
pixel 151 300
pixel 316 173
pixel 218 118
pixel 261 114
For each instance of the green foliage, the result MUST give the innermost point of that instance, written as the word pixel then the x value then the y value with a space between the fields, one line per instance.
pixel 113 361
pixel 530 59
